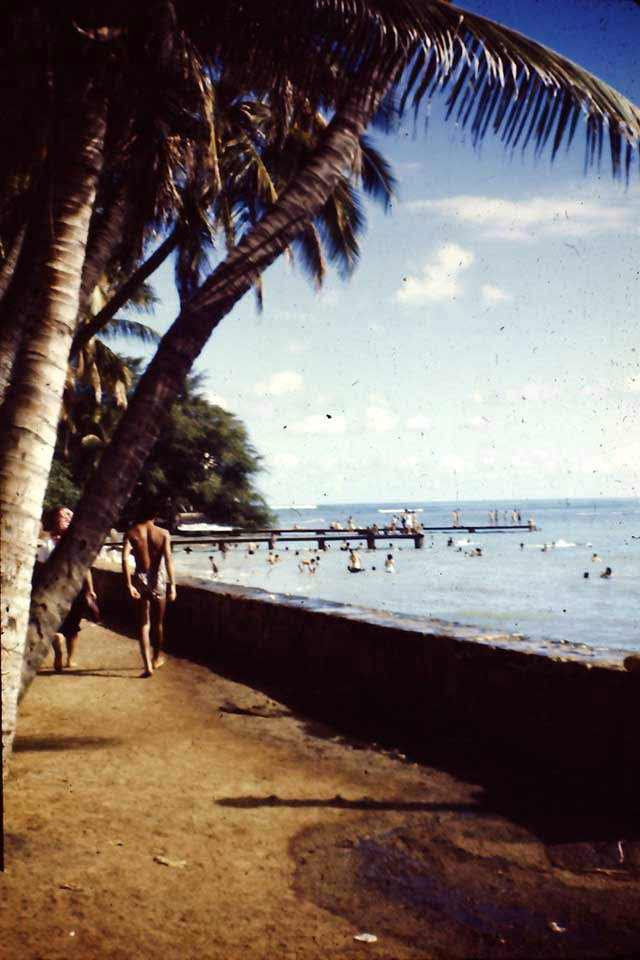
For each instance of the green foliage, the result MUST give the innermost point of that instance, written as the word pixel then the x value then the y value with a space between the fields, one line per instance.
pixel 204 462
pixel 61 489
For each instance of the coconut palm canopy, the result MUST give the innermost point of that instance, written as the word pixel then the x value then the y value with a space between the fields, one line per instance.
pixel 112 115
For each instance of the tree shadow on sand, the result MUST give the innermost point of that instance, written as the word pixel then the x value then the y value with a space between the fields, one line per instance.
pixel 33 744
pixel 341 803
pixel 118 673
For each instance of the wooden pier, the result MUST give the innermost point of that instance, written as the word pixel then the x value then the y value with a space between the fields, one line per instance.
pixel 325 535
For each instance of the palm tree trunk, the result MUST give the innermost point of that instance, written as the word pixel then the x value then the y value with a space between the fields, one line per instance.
pixel 105 237
pixel 140 426
pixel 18 307
pixel 30 413
pixel 125 292
pixel 10 261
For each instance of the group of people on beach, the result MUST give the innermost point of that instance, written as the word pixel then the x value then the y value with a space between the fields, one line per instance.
pixel 147 565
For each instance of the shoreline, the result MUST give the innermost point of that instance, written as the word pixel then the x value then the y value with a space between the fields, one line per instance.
pixel 560 650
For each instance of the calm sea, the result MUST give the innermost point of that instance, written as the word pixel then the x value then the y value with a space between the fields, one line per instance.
pixel 516 586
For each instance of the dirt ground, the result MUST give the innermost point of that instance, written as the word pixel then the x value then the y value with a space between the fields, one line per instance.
pixel 189 816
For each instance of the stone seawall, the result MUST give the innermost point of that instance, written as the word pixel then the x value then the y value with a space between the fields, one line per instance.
pixel 444 690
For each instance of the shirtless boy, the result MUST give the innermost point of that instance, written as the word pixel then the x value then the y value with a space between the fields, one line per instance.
pixel 151 548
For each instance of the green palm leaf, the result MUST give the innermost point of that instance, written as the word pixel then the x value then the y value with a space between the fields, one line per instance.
pixel 486 70
pixel 308 247
pixel 124 327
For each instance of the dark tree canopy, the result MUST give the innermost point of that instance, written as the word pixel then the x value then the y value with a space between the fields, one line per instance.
pixel 203 461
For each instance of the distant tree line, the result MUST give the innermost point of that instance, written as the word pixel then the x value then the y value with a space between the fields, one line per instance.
pixel 202 461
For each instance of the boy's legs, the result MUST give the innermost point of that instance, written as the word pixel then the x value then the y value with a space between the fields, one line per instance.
pixel 157 630
pixel 143 639
pixel 71 646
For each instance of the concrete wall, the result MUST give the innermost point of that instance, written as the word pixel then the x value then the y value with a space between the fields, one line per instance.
pixel 427 683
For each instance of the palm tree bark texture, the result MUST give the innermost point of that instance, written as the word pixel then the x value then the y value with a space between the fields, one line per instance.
pixel 30 413
pixel 141 424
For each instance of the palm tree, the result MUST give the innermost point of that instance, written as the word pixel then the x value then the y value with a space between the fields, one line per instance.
pixel 347 58
pixel 255 160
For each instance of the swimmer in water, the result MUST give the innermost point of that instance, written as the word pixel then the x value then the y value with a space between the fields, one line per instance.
pixel 606 573
pixel 355 564
pixel 389 564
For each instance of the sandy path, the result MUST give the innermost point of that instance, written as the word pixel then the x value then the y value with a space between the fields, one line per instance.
pixel 111 770
pixel 284 839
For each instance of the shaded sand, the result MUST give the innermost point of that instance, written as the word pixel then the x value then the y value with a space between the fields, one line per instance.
pixel 189 816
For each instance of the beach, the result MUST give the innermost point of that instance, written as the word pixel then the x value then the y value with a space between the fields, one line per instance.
pixel 191 815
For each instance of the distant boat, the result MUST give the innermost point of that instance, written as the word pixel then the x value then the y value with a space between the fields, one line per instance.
pixel 296 506
pixel 186 529
pixel 402 509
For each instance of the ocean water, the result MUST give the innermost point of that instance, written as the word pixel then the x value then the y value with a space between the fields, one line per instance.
pixel 516 586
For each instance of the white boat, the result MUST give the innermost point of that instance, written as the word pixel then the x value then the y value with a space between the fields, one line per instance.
pixel 185 529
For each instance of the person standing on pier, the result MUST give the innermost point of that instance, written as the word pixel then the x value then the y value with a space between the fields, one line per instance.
pixel 152 583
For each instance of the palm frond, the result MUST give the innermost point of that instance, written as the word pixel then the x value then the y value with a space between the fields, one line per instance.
pixel 124 327
pixel 308 247
pixel 339 223
pixel 502 81
pixel 144 300
pixel 483 68
pixel 376 174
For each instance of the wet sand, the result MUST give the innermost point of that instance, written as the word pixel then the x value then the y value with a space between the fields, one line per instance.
pixel 191 816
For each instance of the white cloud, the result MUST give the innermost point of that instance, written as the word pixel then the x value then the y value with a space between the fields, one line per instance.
pixel 319 423
pixel 218 401
pixel 478 422
pixel 534 217
pixel 295 346
pixel 380 420
pixel 453 462
pixel 491 294
pixel 286 381
pixel 418 423
pixel 329 298
pixel 628 456
pixel 286 460
pixel 440 278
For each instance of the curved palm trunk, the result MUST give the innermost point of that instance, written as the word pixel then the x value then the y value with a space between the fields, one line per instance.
pixel 18 306
pixel 126 291
pixel 140 426
pixel 10 261
pixel 30 413
pixel 105 237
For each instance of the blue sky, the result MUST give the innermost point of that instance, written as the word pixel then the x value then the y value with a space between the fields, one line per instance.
pixel 486 345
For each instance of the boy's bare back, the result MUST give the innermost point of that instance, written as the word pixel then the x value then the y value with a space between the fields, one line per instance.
pixel 148 543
